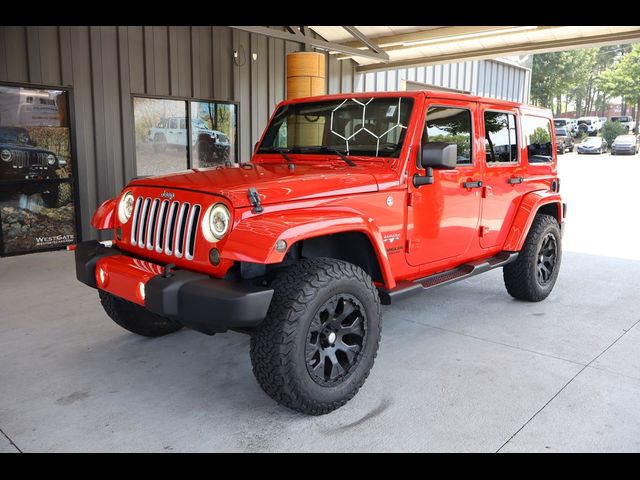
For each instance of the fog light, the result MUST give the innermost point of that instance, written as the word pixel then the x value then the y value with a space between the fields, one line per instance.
pixel 214 257
pixel 281 246
pixel 102 276
pixel 141 291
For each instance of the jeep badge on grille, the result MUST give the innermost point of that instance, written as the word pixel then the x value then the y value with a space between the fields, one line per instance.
pixel 168 195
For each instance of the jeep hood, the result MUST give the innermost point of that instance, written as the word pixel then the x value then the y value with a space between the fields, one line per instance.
pixel 274 182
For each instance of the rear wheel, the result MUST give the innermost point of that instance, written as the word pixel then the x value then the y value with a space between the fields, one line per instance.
pixel 135 318
pixel 315 348
pixel 532 276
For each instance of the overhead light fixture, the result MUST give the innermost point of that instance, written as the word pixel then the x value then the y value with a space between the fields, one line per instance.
pixel 465 36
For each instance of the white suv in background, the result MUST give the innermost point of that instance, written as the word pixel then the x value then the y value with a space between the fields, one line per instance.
pixel 568 123
pixel 589 125
pixel 626 121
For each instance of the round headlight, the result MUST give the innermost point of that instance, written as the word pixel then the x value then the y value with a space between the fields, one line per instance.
pixel 125 208
pixel 5 155
pixel 216 222
pixel 51 159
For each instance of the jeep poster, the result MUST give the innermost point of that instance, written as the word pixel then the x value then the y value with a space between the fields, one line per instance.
pixel 36 189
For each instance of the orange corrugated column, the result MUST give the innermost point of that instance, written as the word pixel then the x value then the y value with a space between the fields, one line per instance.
pixel 305 74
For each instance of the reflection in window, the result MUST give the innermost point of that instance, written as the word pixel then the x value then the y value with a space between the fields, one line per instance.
pixel 213 129
pixel 537 133
pixel 161 145
pixel 500 137
pixel 451 125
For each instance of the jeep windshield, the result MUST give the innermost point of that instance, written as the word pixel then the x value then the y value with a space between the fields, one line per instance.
pixel 17 136
pixel 371 127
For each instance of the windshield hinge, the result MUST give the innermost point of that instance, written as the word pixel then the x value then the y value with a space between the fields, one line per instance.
pixel 254 198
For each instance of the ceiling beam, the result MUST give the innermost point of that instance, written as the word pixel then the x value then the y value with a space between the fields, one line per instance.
pixel 366 40
pixel 632 36
pixel 314 42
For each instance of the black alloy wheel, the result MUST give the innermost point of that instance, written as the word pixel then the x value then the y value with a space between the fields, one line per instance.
pixel 335 339
pixel 547 257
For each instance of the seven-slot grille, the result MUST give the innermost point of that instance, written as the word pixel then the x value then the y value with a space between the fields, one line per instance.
pixel 24 158
pixel 165 226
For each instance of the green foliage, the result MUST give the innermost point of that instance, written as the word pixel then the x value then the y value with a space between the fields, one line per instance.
pixel 540 136
pixel 610 130
pixel 461 140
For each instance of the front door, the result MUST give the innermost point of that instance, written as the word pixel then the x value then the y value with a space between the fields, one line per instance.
pixel 443 216
pixel 504 173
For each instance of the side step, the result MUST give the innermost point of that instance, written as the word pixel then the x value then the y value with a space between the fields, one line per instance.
pixel 408 287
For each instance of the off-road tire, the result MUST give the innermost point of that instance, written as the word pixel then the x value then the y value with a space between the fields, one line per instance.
pixel 135 318
pixel 58 195
pixel 278 344
pixel 520 276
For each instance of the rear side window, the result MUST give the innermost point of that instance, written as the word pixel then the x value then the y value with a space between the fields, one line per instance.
pixel 501 139
pixel 451 125
pixel 537 135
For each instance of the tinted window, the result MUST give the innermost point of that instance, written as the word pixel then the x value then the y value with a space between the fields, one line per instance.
pixel 537 135
pixel 500 137
pixel 561 132
pixel 451 125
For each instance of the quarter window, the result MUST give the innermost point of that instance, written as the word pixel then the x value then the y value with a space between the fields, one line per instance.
pixel 537 134
pixel 501 140
pixel 451 125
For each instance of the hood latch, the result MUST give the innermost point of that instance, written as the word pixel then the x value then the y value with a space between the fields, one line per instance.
pixel 254 198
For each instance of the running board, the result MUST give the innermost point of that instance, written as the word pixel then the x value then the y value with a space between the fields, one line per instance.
pixel 407 287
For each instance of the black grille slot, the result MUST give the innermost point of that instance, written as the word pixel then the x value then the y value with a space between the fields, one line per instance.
pixel 151 227
pixel 192 231
pixel 136 220
pixel 181 228
pixel 162 222
pixel 171 228
pixel 144 218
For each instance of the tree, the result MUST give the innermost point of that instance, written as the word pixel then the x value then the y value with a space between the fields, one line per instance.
pixel 623 79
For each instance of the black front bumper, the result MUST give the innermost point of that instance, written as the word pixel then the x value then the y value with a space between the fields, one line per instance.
pixel 197 301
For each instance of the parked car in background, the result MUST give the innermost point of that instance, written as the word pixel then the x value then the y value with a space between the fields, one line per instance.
pixel 564 140
pixel 625 144
pixel 626 121
pixel 589 125
pixel 568 123
pixel 592 145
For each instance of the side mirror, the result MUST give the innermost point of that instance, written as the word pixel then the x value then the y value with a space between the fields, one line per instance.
pixel 438 155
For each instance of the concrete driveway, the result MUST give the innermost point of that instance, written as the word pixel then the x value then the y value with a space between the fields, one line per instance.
pixel 462 368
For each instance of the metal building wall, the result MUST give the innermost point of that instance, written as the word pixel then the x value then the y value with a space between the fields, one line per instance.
pixel 105 66
pixel 488 78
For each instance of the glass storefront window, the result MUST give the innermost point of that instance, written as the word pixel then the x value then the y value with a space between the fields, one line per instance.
pixel 161 135
pixel 213 129
pixel 36 176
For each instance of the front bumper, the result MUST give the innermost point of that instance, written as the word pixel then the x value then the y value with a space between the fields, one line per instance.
pixel 197 301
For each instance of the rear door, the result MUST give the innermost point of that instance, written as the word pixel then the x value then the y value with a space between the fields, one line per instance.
pixel 503 173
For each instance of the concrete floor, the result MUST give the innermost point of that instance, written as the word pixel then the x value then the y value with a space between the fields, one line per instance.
pixel 462 368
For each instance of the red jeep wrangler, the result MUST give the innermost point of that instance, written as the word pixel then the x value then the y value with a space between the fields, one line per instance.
pixel 349 202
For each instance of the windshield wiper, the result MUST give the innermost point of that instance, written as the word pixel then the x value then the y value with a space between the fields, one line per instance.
pixel 324 148
pixel 281 151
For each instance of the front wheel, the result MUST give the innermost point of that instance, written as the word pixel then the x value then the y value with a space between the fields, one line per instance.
pixel 532 276
pixel 315 348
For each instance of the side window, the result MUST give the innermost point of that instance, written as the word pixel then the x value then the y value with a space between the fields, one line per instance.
pixel 183 124
pixel 173 123
pixel 501 139
pixel 537 134
pixel 453 125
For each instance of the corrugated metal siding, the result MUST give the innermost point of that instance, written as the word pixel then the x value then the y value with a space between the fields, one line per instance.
pixel 486 78
pixel 106 65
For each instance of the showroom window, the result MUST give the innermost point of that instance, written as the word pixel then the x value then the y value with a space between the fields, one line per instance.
pixel 163 127
pixel 37 210
pixel 537 134
pixel 500 137
pixel 453 125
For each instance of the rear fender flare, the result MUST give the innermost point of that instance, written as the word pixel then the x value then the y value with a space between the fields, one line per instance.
pixel 254 239
pixel 531 203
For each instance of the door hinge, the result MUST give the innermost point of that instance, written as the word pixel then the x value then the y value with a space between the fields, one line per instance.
pixel 413 198
pixel 484 231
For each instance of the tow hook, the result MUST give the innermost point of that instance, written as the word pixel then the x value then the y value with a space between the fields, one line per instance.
pixel 168 270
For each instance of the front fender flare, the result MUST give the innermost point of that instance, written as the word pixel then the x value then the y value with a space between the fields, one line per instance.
pixel 104 216
pixel 529 206
pixel 254 239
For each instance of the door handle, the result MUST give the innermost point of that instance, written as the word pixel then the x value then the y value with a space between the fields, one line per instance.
pixel 477 184
pixel 515 180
